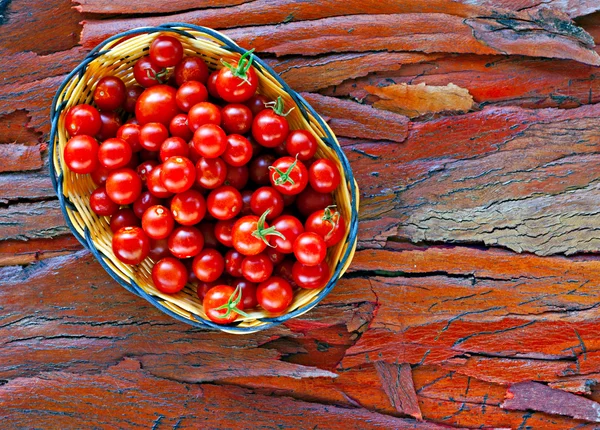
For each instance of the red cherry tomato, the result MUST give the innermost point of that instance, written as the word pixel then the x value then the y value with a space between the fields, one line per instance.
pixel 311 277
pixel 256 103
pixel 267 198
pixel 233 263
pixel 204 287
pixel 147 74
pixel 190 94
pixel 288 175
pixel 223 234
pixel 166 51
pixel 83 120
pixel 179 127
pixel 172 147
pixel 130 133
pixel 237 176
pixel 191 69
pixel 301 143
pixel 238 150
pixel 157 222
pixel 288 199
pixel 101 203
pixel 250 234
pixel 111 122
pixel 123 218
pixel 222 304
pixel 159 249
pixel 146 155
pixel 210 141
pixel 203 113
pixel 131 245
pixel 99 175
pixel 110 93
pixel 178 174
pixel 208 265
pixel 275 256
pixel 155 184
pixel 324 176
pixel 81 154
pixel 143 169
pixel 114 153
pixel 224 202
pixel 143 202
pixel 290 227
pixel 284 269
pixel 237 83
pixel 246 198
pixel 169 275
pixel 210 172
pixel 270 128
pixel 257 268
pixel 309 201
pixel 327 223
pixel 188 208
pixel 152 135
pixel 274 295
pixel 185 242
pixel 211 85
pixel 123 186
pixel 156 104
pixel 310 249
pixel 259 169
pixel 208 232
pixel 236 118
pixel 131 96
pixel 248 292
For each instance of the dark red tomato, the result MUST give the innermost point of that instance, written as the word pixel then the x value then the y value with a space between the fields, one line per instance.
pixel 238 150
pixel 203 113
pixel 208 231
pixel 111 122
pixel 178 174
pixel 208 265
pixel 256 103
pixel 280 150
pixel 327 223
pixel 236 118
pixel 146 155
pixel 288 175
pixel 256 148
pixel 110 93
pixel 222 304
pixel 101 203
pixel 210 141
pixel 248 292
pixel 147 74
pixel 155 184
pixel 288 199
pixel 166 51
pixel 81 154
pixel 246 198
pixel 169 275
pixel 130 133
pixel 83 120
pixel 237 176
pixel 250 234
pixel 123 218
pixel 188 208
pixel 131 245
pixel 311 276
pixel 134 163
pixel 211 85
pixel 324 176
pixel 290 227
pixel 204 287
pixel 174 147
pixel 301 143
pixel 131 96
pixel 159 249
pixel 259 169
pixel 179 127
pixel 190 94
pixel 275 294
pixel 233 263
pixel 157 222
pixel 132 120
pixel 270 128
pixel 123 186
pixel 257 268
pixel 309 201
pixel 210 172
pixel 267 198
pixel 191 69
pixel 275 256
pixel 223 232
pixel 224 202
pixel 114 153
pixel 185 242
pixel 143 170
pixel 157 104
pixel 143 202
pixel 99 175
pixel 237 83
pixel 284 269
pixel 310 249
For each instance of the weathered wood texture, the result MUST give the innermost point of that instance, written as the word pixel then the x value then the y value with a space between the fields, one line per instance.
pixel 473 298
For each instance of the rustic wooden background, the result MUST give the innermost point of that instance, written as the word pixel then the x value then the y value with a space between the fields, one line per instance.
pixel 472 128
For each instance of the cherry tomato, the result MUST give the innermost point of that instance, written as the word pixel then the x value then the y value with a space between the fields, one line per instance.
pixel 111 122
pixel 155 184
pixel 99 175
pixel 222 304
pixel 174 146
pixel 248 292
pixel 311 277
pixel 204 287
pixel 310 248
pixel 123 186
pixel 188 208
pixel 288 199
pixel 290 227
pixel 259 169
pixel 185 242
pixel 208 265
pixel 210 172
pixel 237 176
pixel 275 256
pixel 157 222
pixel 280 150
pixel 246 198
pixel 166 51
pixel 123 218
pixel 237 83
pixel 131 96
pixel 269 127
pixel 210 141
pixel 208 232
pixel 179 127
pixel 146 155
pixel 130 133
pixel 101 203
pixel 267 198
pixel 324 176
pixel 238 150
pixel 233 263
pixel 159 249
pixel 143 202
pixel 211 84
pixel 275 294
pixel 147 74
pixel 203 113
pixel 309 201
pixel 131 245
pixel 114 153
pixel 169 275
pixel 178 174
pixel 191 69
pixel 301 143
pixel 83 120
pixel 250 234
pixel 257 268
pixel 236 118
pixel 156 104
pixel 327 223
pixel 284 269
pixel 224 202
pixel 256 103
pixel 81 154
pixel 144 168
pixel 288 175
pixel 223 232
pixel 110 93
pixel 190 94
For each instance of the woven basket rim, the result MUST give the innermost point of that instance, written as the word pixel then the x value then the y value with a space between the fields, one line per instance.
pixel 303 105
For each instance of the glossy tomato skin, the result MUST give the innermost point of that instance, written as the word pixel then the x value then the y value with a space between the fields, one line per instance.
pixel 203 113
pixel 310 249
pixel 288 167
pixel 83 119
pixel 159 249
pixel 311 277
pixel 144 168
pixel 267 198
pixel 178 174
pixel 123 186
pixel 130 133
pixel 208 265
pixel 291 228
pixel 211 85
pixel 110 93
pixel 166 51
pixel 131 96
pixel 131 245
pixel 259 169
pixel 210 141
pixel 191 69
pixel 111 122
pixel 238 151
pixel 114 153
pixel 210 172
pixel 218 296
pixel 275 256
pixel 172 147
pixel 208 232
pixel 309 201
pixel 243 241
pixel 169 275
pixel 123 218
pixel 246 198
pixel 284 270
pixel 189 207
pixel 324 176
pixel 101 203
pixel 224 202
pixel 157 104
pixel 146 73
pixel 248 292
pixel 155 184
pixel 81 154
pixel 257 268
pixel 152 135
pixel 178 127
pixel 185 242
pixel 270 129
pixel 237 176
pixel 329 224
pixel 274 295
pixel 236 118
pixel 223 232
pixel 233 89
pixel 301 143
pixel 190 94
pixel 256 103
pixel 157 222
pixel 99 175
pixel 233 263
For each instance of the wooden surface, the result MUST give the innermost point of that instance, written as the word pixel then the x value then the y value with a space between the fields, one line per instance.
pixel 473 129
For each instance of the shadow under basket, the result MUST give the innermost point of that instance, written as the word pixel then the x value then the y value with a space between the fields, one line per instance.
pixel 116 56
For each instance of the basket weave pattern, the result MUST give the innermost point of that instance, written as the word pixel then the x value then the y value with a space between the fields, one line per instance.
pixel 116 56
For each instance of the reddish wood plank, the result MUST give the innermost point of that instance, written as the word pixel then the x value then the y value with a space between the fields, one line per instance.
pixel 20 253
pixel 16 157
pixel 13 128
pixel 397 383
pixel 142 7
pixel 573 8
pixel 32 220
pixel 29 185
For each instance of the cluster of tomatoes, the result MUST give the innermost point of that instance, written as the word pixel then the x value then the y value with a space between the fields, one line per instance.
pixel 207 179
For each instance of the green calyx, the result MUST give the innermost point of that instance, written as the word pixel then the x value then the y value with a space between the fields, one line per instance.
pixel 331 217
pixel 278 107
pixel 160 77
pixel 231 305
pixel 262 233
pixel 242 67
pixel 284 177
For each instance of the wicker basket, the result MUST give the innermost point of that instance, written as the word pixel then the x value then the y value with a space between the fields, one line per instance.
pixel 116 56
